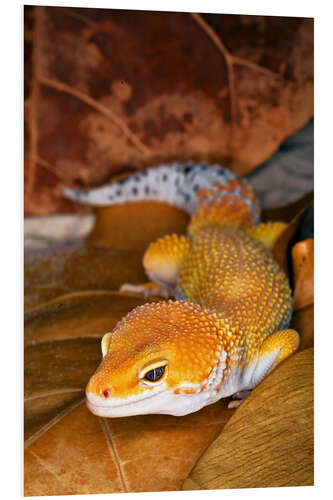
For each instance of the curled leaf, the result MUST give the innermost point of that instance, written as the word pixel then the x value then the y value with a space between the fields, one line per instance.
pixel 134 225
pixel 281 248
pixel 92 111
pixel 270 432
pixel 303 269
pixel 81 453
pixel 303 322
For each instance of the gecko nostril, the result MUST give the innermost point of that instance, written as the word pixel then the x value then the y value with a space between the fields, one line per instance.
pixel 107 393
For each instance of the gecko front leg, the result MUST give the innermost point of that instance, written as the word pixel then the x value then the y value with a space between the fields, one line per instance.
pixel 238 398
pixel 275 348
pixel 162 262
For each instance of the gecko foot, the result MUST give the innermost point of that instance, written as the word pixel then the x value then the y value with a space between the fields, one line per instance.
pixel 238 398
pixel 146 289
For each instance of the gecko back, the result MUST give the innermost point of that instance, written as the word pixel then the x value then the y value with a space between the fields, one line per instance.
pixel 222 333
pixel 228 271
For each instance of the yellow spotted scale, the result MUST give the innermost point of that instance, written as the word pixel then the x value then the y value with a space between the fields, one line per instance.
pixel 227 328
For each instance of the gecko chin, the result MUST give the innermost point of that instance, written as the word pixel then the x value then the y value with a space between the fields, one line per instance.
pixel 163 402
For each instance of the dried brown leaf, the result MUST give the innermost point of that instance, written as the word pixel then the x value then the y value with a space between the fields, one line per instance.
pixel 68 450
pixel 55 375
pixel 292 215
pixel 84 454
pixel 135 225
pixel 42 411
pixel 91 113
pixel 269 440
pixel 303 322
pixel 111 256
pixel 288 212
pixel 71 458
pixel 80 314
pixel 80 268
pixel 303 268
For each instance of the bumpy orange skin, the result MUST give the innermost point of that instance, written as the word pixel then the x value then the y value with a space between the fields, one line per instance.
pixel 229 271
pixel 268 232
pixel 190 339
pixel 242 297
pixel 232 296
pixel 221 207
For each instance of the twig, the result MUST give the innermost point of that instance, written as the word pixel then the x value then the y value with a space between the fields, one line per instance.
pixel 227 57
pixel 74 15
pixel 56 171
pixel 231 61
pixel 32 109
pixel 31 106
pixel 63 87
pixel 33 141
pixel 238 61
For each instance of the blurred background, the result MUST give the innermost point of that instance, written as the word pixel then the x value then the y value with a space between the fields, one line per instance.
pixel 112 91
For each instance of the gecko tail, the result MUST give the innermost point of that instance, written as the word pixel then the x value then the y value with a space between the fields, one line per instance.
pixel 188 186
pixel 110 194
pixel 165 183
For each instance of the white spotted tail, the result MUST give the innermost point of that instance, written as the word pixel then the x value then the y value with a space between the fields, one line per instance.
pixel 176 184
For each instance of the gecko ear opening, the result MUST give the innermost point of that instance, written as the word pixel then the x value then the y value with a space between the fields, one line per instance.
pixel 105 343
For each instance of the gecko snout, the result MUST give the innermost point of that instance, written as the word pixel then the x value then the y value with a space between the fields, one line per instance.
pixel 99 389
pixel 99 395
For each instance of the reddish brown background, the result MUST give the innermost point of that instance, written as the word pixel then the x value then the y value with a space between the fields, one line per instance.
pixel 114 90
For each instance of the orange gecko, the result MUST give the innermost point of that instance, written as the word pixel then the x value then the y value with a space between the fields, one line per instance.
pixel 227 328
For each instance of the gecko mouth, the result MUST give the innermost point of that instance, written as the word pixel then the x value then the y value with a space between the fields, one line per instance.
pixel 120 409
pixel 164 402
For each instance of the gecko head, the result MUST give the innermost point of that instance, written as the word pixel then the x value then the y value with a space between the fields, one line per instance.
pixel 156 360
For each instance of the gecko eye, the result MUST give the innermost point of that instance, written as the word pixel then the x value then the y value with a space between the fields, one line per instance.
pixel 155 374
